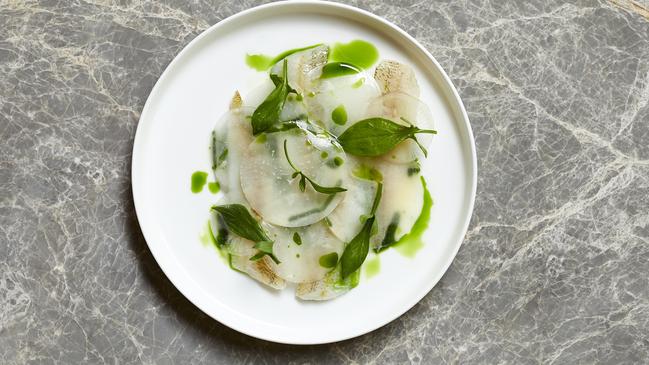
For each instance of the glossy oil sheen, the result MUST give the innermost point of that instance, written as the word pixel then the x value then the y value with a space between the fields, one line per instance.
pixel 357 52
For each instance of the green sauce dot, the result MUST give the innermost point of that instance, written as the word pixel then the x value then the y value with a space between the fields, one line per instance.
pixel 199 178
pixel 338 161
pixel 214 187
pixel 261 138
pixel 324 155
pixel 329 260
pixel 339 115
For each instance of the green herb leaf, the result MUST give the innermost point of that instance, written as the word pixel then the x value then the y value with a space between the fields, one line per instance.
pixel 267 114
pixel 356 250
pixel 303 179
pixel 375 136
pixel 265 248
pixel 239 221
pixel 219 151
pixel 297 239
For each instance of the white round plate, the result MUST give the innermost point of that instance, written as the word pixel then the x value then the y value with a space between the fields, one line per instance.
pixel 172 142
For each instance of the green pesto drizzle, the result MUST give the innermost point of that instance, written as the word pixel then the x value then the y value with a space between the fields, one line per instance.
pixel 357 52
pixel 261 62
pixel 199 178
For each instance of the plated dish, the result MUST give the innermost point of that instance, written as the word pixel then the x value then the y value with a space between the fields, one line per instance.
pixel 173 141
pixel 319 164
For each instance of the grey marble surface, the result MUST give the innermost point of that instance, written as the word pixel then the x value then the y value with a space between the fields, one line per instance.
pixel 554 269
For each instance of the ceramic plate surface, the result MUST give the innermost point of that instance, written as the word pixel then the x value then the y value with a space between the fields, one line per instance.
pixel 172 142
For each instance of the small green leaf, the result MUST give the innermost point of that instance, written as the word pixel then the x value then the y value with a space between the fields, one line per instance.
pixel 375 136
pixel 356 250
pixel 297 239
pixel 219 151
pixel 267 114
pixel 238 220
pixel 304 179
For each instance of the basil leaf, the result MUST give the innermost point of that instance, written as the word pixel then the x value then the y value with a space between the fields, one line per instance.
pixel 267 114
pixel 239 221
pixel 356 250
pixel 265 248
pixel 326 190
pixel 375 136
pixel 303 179
pixel 219 151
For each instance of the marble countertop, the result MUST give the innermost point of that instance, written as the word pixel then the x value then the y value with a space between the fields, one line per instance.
pixel 554 268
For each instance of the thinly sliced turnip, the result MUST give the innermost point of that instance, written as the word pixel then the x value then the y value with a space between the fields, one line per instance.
pixel 233 131
pixel 300 262
pixel 272 190
pixel 346 220
pixel 347 95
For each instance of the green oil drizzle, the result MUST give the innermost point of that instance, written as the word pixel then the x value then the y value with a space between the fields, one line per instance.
pixel 372 266
pixel 358 83
pixel 409 244
pixel 357 52
pixel 339 115
pixel 329 260
pixel 214 187
pixel 261 62
pixel 199 178
pixel 207 239
pixel 337 69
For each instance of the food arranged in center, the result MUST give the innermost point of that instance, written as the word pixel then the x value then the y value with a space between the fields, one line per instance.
pixel 318 166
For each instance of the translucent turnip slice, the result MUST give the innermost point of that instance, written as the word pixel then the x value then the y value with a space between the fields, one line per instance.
pixel 272 191
pixel 233 131
pixel 343 97
pixel 300 263
pixel 345 221
pixel 398 105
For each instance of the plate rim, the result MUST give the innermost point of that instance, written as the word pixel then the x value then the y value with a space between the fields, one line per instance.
pixel 448 84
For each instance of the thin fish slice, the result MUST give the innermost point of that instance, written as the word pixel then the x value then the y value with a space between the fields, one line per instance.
pixel 300 67
pixel 401 201
pixel 330 287
pixel 259 270
pixel 393 76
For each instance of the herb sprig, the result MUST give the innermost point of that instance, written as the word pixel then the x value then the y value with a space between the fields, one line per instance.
pixel 267 113
pixel 239 221
pixel 303 179
pixel 357 249
pixel 375 136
